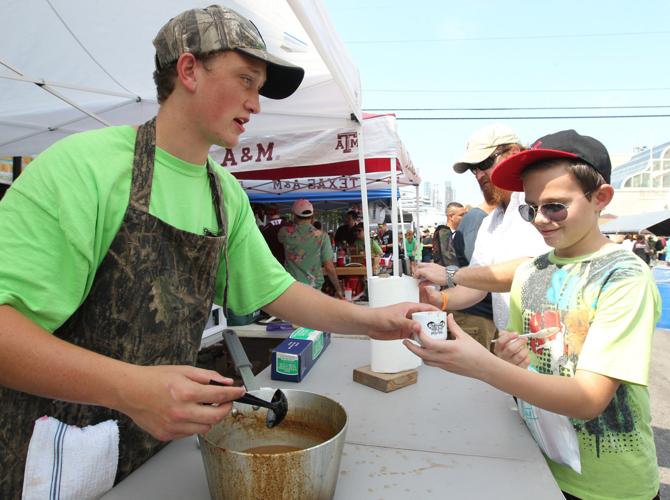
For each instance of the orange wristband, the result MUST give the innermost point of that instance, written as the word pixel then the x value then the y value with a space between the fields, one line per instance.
pixel 445 301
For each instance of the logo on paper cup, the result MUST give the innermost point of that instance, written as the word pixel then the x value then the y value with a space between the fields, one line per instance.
pixel 436 329
pixel 433 323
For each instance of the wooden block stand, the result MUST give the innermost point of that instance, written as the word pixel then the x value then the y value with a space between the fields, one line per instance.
pixel 385 382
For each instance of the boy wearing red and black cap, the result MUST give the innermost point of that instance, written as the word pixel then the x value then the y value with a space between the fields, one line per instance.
pixel 587 311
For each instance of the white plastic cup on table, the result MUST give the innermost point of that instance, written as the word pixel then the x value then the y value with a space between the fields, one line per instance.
pixel 433 324
pixel 347 295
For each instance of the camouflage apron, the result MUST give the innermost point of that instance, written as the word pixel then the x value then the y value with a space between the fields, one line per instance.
pixel 148 305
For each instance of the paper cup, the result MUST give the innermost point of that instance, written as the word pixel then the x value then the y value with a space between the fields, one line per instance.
pixel 433 323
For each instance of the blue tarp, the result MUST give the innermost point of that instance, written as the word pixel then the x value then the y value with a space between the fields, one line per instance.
pixel 375 194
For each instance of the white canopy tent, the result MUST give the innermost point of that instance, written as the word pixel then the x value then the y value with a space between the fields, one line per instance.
pixel 67 66
pixel 327 152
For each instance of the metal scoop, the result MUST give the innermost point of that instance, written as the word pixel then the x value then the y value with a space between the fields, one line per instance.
pixel 278 407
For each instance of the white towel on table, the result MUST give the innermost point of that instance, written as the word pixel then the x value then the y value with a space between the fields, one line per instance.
pixel 68 462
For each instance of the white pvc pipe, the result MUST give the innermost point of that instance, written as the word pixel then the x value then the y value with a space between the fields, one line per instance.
pixel 394 216
pixel 364 201
pixel 418 226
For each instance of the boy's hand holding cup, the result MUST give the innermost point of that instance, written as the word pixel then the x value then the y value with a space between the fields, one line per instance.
pixel 433 324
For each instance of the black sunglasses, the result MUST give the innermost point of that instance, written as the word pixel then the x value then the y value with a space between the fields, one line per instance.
pixel 488 163
pixel 555 212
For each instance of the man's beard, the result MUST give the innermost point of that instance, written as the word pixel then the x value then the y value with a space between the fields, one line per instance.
pixel 492 194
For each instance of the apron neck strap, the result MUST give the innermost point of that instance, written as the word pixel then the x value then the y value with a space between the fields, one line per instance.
pixel 143 166
pixel 217 196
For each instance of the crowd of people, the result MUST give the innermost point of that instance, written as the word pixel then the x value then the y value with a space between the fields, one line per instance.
pixel 531 260
pixel 109 329
pixel 650 248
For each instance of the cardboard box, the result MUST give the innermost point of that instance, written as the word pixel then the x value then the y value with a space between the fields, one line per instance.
pixel 319 339
pixel 295 356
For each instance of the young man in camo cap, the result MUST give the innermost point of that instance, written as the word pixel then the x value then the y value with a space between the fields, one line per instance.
pixel 136 232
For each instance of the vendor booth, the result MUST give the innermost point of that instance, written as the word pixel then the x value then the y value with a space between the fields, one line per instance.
pixel 324 164
pixel 320 165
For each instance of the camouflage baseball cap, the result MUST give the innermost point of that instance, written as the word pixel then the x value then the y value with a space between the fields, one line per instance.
pixel 199 31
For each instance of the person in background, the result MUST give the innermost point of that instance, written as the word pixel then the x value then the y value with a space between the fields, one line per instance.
pixel 385 238
pixel 444 252
pixel 308 250
pixel 135 233
pixel 469 226
pixel 426 246
pixel 270 231
pixel 641 248
pixel 359 244
pixel 412 246
pixel 628 242
pixel 346 234
pixel 590 308
pixel 258 214
pixel 359 248
pixel 504 239
pixel 659 246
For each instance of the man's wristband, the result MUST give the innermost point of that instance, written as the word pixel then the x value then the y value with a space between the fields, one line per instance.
pixel 445 301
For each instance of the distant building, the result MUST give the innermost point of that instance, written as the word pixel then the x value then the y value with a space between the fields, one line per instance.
pixel 448 193
pixel 642 184
pixel 426 188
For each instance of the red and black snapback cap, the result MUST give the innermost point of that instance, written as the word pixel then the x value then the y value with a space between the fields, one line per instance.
pixel 566 144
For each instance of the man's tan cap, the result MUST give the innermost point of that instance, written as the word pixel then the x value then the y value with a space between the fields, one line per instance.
pixel 483 143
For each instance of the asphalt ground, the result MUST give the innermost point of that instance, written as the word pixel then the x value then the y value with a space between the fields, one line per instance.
pixel 659 392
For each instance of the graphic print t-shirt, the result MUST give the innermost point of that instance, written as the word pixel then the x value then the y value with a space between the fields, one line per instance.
pixel 605 306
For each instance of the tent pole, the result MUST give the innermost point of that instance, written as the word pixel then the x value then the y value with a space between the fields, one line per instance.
pixel 364 200
pixel 408 263
pixel 394 217
pixel 418 226
pixel 17 163
pixel 60 96
pixel 41 82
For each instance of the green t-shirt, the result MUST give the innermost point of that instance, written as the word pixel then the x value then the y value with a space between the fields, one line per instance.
pixel 306 250
pixel 413 248
pixel 59 218
pixel 607 306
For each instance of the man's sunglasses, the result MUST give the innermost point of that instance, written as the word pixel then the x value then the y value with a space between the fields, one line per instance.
pixel 555 212
pixel 488 163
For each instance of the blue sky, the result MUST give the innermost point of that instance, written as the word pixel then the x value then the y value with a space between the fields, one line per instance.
pixel 483 53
